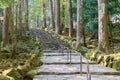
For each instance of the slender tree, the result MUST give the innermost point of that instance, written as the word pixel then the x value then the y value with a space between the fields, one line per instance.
pixel 5 28
pixel 26 15
pixel 52 14
pixel 57 16
pixel 20 24
pixel 44 14
pixel 62 25
pixel 80 28
pixel 103 40
pixel 70 18
pixel 12 31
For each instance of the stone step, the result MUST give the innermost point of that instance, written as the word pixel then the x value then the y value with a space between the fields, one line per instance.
pixel 62 63
pixel 65 59
pixel 65 65
pixel 74 73
pixel 60 54
pixel 72 69
pixel 59 51
pixel 75 77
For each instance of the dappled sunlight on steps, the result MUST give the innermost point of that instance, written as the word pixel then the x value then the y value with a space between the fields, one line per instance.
pixel 57 66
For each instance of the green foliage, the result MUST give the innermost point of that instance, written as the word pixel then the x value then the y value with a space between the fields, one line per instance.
pixel 91 13
pixel 1 10
pixel 6 3
pixel 22 45
pixel 3 77
pixel 92 54
pixel 6 49
pixel 38 49
pixel 92 26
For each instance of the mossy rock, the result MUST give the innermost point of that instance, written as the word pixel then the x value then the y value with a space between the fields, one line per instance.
pixel 4 77
pixel 73 44
pixel 91 46
pixel 100 58
pixel 33 60
pixel 107 58
pixel 62 38
pixel 2 56
pixel 23 69
pixel 94 55
pixel 116 65
pixel 105 64
pixel 6 49
pixel 29 75
pixel 46 29
pixel 12 73
pixel 88 54
pixel 110 64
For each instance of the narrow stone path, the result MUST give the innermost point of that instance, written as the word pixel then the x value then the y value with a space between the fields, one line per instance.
pixel 57 66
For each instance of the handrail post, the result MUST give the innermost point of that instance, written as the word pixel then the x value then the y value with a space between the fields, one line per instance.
pixel 67 55
pixel 88 71
pixel 80 64
pixel 70 56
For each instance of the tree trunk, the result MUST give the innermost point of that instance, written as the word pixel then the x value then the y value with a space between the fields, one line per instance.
pixel 26 15
pixel 70 18
pixel 80 27
pixel 12 31
pixel 62 26
pixel 5 28
pixel 16 16
pixel 52 14
pixel 57 17
pixel 103 28
pixel 44 15
pixel 20 18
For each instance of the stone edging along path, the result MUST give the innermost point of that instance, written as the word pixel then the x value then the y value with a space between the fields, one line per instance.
pixel 65 65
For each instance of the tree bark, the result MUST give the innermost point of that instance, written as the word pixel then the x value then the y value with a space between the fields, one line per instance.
pixel 44 15
pixel 80 27
pixel 26 15
pixel 12 31
pixel 20 24
pixel 5 28
pixel 103 39
pixel 52 14
pixel 70 18
pixel 62 25
pixel 57 17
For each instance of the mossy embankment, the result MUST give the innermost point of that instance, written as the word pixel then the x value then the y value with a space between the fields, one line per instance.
pixel 24 65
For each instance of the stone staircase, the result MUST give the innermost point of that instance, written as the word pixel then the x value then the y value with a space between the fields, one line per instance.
pixel 70 65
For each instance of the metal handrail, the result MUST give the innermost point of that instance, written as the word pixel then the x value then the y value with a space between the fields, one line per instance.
pixel 88 71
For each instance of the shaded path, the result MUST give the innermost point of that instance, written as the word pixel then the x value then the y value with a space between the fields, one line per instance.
pixel 58 65
pixel 50 42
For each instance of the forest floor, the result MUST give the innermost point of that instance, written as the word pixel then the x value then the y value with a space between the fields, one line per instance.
pixel 22 65
pixel 62 63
